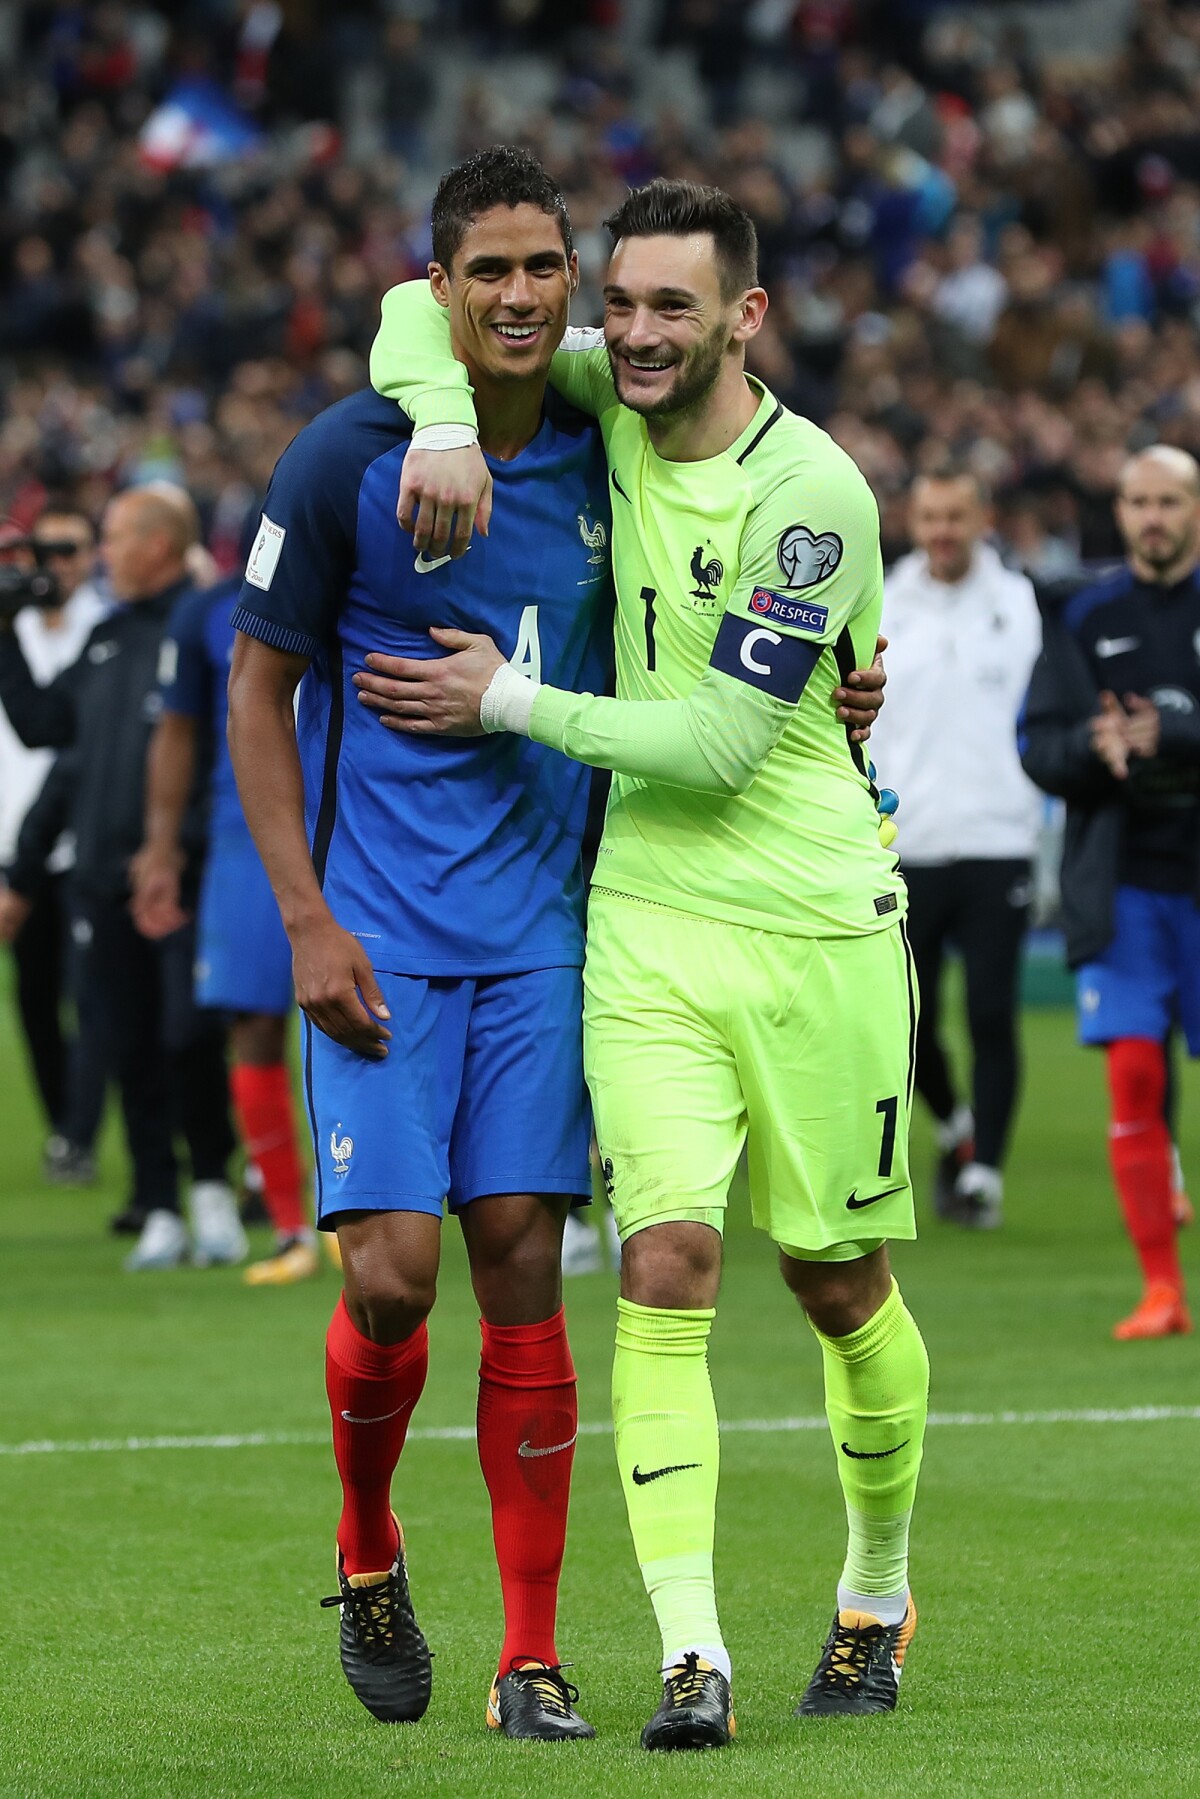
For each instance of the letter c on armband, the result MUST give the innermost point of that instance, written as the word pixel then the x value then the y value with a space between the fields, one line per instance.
pixel 746 655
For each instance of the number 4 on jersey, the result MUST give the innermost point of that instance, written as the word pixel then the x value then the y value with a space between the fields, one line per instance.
pixel 527 657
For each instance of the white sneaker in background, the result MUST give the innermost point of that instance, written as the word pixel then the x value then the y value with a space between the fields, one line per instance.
pixel 979 1198
pixel 582 1252
pixel 218 1239
pixel 162 1244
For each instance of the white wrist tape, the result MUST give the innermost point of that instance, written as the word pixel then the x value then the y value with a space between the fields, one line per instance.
pixel 507 705
pixel 444 437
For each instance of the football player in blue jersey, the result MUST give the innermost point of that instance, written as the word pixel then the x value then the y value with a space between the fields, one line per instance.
pixel 1112 725
pixel 243 960
pixel 433 899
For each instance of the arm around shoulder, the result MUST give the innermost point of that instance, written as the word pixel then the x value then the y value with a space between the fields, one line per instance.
pixel 412 361
pixel 582 373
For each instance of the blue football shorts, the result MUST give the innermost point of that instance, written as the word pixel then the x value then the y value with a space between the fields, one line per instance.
pixel 1148 979
pixel 243 958
pixel 481 1092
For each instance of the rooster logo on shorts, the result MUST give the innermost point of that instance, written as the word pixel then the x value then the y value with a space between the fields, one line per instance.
pixel 341 1150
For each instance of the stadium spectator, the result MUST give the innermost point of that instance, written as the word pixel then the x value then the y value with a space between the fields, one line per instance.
pixel 1112 724
pixel 32 901
pixel 952 611
pixel 170 1061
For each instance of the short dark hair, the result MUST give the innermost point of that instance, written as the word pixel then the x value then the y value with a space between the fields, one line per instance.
pixel 947 469
pixel 678 208
pixel 500 176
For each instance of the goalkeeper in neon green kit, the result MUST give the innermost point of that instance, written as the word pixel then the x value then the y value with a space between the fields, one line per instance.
pixel 748 978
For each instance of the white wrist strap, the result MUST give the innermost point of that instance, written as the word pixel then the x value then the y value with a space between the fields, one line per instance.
pixel 444 437
pixel 507 705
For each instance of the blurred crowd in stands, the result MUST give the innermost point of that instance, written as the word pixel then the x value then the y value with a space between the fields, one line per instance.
pixel 973 249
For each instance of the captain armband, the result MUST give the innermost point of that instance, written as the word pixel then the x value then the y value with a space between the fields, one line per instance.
pixel 774 663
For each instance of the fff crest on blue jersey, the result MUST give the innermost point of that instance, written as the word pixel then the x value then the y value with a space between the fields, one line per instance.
pixel 595 538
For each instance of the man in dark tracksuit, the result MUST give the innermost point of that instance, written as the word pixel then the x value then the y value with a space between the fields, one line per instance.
pixel 168 1058
pixel 1112 724
pixel 41 862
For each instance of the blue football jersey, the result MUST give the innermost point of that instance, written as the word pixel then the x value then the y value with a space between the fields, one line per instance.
pixel 194 680
pixel 445 856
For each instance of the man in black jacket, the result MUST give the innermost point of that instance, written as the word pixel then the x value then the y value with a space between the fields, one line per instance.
pixel 169 1059
pixel 1112 724
pixel 33 899
pixel 37 881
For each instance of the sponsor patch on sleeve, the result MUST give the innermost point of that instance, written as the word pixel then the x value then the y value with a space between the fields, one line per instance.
pixel 753 653
pixel 264 557
pixel 786 609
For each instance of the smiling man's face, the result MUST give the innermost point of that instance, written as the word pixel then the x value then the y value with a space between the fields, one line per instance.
pixel 508 291
pixel 667 323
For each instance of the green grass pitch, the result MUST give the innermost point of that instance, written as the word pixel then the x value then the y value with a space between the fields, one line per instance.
pixel 159 1631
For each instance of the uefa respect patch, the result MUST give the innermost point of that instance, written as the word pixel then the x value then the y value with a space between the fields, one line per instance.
pixel 785 609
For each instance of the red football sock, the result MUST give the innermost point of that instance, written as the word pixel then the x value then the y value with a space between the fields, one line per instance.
pixel 1140 1151
pixel 262 1099
pixel 373 1389
pixel 527 1421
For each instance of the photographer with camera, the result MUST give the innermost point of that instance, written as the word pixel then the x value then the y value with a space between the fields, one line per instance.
pixel 50 573
pixel 169 1059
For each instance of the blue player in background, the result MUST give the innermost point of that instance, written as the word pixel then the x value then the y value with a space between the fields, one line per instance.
pixel 1112 725
pixel 434 901
pixel 243 959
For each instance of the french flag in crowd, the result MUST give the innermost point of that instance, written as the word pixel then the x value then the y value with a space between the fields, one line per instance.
pixel 197 126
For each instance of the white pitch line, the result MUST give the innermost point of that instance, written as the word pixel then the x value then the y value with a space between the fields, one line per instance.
pixel 465 1433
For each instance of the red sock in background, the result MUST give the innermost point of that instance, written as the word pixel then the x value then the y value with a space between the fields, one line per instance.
pixel 527 1420
pixel 1140 1151
pixel 373 1389
pixel 262 1099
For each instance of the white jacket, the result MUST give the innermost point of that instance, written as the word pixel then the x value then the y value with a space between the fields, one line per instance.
pixel 48 652
pixel 959 659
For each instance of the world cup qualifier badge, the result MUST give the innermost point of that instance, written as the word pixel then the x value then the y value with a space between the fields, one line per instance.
pixel 806 559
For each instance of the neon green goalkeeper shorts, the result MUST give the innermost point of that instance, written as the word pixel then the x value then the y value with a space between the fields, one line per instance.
pixel 701 1037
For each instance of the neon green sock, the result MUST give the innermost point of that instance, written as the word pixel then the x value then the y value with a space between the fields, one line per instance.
pixel 668 1454
pixel 876 1399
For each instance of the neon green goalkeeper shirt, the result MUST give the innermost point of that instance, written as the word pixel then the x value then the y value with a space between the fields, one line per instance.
pixel 748 585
